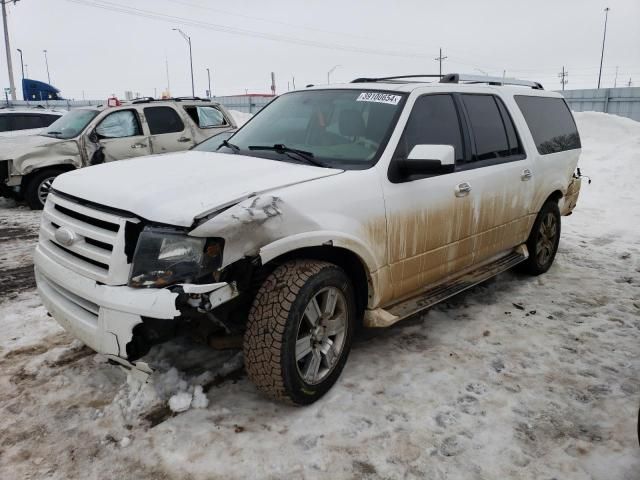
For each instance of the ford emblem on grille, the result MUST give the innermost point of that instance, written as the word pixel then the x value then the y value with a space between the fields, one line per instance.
pixel 65 237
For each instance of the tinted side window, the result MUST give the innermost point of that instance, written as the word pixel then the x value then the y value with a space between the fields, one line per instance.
pixel 163 120
pixel 488 128
pixel 48 119
pixel 551 123
pixel 4 123
pixel 433 121
pixel 24 122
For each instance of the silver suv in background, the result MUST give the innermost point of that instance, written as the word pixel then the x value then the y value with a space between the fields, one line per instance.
pixel 16 122
pixel 94 135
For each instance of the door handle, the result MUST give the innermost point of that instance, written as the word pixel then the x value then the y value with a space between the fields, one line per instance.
pixel 462 189
pixel 184 139
pixel 138 145
pixel 526 175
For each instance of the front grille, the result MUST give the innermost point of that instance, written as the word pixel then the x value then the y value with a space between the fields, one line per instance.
pixel 98 251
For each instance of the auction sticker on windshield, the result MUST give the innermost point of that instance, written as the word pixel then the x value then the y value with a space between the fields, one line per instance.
pixel 379 97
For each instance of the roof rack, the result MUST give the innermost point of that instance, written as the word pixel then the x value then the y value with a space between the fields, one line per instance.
pixel 396 77
pixel 456 78
pixel 172 99
pixel 463 77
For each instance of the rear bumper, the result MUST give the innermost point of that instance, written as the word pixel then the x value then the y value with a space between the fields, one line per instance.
pixel 101 316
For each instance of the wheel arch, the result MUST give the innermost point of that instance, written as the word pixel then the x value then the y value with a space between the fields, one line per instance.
pixel 353 265
pixel 60 167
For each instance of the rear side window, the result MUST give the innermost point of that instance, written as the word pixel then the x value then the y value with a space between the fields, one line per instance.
pixel 24 122
pixel 433 121
pixel 206 117
pixel 493 131
pixel 550 122
pixel 163 120
pixel 4 123
pixel 47 120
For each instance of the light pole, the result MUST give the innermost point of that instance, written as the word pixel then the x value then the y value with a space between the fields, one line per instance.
pixel 46 61
pixel 188 39
pixel 209 78
pixel 21 62
pixel 330 72
pixel 7 48
pixel 604 37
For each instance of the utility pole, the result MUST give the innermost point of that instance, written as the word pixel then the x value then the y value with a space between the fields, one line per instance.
pixel 7 48
pixel 188 40
pixel 209 78
pixel 563 77
pixel 604 37
pixel 166 64
pixel 46 61
pixel 630 82
pixel 294 82
pixel 439 59
pixel 615 80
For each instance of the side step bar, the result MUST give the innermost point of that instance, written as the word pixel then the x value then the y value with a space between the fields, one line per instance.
pixel 386 317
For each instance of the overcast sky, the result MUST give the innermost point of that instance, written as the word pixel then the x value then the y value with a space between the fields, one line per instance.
pixel 100 51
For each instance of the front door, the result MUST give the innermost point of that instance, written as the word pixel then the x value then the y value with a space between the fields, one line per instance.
pixel 168 131
pixel 119 135
pixel 429 222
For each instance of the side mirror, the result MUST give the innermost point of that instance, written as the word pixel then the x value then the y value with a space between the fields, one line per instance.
pixel 93 137
pixel 430 159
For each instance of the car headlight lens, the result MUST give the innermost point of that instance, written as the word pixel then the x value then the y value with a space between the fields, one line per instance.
pixel 164 257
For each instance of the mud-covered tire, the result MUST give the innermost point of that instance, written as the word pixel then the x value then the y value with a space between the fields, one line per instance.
pixel 277 315
pixel 39 182
pixel 543 246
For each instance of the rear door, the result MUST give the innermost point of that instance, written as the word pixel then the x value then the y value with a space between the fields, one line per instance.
pixel 168 132
pixel 498 175
pixel 120 135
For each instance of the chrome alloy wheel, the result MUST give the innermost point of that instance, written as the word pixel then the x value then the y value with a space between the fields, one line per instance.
pixel 321 335
pixel 546 238
pixel 44 188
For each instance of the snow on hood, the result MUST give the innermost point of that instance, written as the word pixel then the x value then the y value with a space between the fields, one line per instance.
pixel 175 188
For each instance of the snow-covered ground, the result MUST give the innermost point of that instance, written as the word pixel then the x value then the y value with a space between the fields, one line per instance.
pixel 528 378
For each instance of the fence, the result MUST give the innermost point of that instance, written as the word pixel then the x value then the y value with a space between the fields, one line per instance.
pixel 624 102
pixel 242 103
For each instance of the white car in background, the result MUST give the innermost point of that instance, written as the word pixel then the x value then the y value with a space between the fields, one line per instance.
pixel 26 121
pixel 93 135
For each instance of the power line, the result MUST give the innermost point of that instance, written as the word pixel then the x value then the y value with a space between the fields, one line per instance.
pixel 114 7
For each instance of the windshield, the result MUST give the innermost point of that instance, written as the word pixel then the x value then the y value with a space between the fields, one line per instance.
pixel 212 144
pixel 338 128
pixel 71 124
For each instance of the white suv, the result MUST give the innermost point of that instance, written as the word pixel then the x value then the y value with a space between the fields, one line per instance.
pixel 94 135
pixel 334 207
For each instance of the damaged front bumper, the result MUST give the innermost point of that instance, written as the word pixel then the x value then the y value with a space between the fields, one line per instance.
pixel 104 317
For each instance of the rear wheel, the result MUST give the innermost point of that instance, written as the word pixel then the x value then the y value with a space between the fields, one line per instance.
pixel 39 187
pixel 299 331
pixel 543 240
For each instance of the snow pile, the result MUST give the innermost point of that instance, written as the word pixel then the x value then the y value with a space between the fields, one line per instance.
pixel 240 117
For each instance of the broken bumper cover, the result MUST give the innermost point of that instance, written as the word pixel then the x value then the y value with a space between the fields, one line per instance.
pixel 103 316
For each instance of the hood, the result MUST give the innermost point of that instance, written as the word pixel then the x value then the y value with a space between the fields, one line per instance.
pixel 174 189
pixel 17 146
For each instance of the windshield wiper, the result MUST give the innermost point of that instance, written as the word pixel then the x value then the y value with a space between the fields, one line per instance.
pixel 233 147
pixel 280 148
pixel 53 133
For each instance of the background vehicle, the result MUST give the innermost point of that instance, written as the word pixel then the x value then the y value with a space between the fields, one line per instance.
pixel 333 207
pixel 89 136
pixel 26 121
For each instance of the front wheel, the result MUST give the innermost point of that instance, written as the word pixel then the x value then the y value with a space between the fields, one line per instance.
pixel 299 331
pixel 39 187
pixel 543 240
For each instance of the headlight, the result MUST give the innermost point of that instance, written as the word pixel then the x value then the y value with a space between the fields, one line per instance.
pixel 165 257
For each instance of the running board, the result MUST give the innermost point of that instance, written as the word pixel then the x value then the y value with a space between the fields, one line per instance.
pixel 386 317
